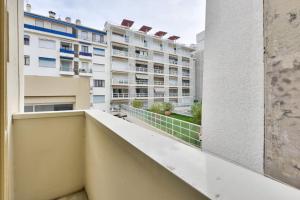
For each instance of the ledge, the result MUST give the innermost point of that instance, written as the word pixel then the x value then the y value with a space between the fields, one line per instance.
pixel 210 175
pixel 36 115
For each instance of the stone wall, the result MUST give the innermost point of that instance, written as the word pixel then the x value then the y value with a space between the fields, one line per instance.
pixel 282 93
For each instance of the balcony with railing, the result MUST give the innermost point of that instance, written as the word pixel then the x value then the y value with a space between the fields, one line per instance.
pixel 120 82
pixel 173 94
pixel 120 96
pixel 142 56
pixel 158 82
pixel 185 84
pixel 118 52
pixel 173 72
pixel 66 70
pixel 141 95
pixel 158 71
pixel 85 72
pixel 66 52
pixel 159 94
pixel 141 69
pixel 186 63
pixel 141 82
pixel 120 38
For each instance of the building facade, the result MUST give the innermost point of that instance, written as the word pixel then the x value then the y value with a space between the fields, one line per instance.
pixel 147 67
pixel 69 53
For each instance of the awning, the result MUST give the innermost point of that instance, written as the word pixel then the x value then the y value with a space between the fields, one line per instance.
pixel 174 37
pixel 145 29
pixel 160 33
pixel 159 90
pixel 126 22
pixel 141 76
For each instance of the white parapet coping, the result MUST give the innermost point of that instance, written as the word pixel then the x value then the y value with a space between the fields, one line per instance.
pixel 210 175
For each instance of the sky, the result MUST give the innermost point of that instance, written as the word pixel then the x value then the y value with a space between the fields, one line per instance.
pixel 184 18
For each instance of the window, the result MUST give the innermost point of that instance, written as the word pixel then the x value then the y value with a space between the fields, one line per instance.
pixel 98 67
pixel 85 65
pixel 26 40
pixel 57 27
pixel 99 98
pixel 39 23
pixel 85 48
pixel 66 65
pixel 26 60
pixel 47 44
pixel 99 83
pixel 99 52
pixel 66 46
pixel 98 38
pixel 47 62
pixel 46 108
pixel 84 35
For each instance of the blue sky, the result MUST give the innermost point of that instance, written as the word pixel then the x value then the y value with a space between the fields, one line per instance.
pixel 184 18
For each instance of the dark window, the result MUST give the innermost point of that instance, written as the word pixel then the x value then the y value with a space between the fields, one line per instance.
pixel 26 40
pixel 99 83
pixel 26 60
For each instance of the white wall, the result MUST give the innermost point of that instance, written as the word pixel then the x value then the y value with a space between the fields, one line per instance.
pixel 233 97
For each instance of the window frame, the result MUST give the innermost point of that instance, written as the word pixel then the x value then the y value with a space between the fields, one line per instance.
pixel 26 58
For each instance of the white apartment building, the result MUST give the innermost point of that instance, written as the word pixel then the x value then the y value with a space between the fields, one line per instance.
pixel 148 67
pixel 60 48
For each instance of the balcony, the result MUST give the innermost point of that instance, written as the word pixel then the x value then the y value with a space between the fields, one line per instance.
pixel 85 55
pixel 187 74
pixel 159 83
pixel 141 69
pixel 120 96
pixel 173 73
pixel 141 95
pixel 141 56
pixel 119 38
pixel 65 151
pixel 186 94
pixel 66 52
pixel 158 71
pixel 186 64
pixel 173 94
pixel 141 82
pixel 159 94
pixel 174 62
pixel 119 82
pixel 186 84
pixel 66 70
pixel 117 52
pixel 85 72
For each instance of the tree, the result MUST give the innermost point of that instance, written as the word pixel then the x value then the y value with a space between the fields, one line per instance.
pixel 196 112
pixel 137 104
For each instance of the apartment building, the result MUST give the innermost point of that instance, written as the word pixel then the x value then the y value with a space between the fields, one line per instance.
pixel 150 68
pixel 71 59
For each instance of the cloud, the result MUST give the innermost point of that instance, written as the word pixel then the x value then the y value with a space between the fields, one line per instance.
pixel 184 18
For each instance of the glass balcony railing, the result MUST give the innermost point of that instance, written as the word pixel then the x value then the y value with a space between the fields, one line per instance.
pixel 158 71
pixel 141 82
pixel 185 94
pixel 120 82
pixel 64 68
pixel 158 82
pixel 173 94
pixel 175 62
pixel 141 95
pixel 141 69
pixel 173 73
pixel 120 95
pixel 117 52
pixel 186 64
pixel 85 70
pixel 68 51
pixel 159 94
pixel 185 84
pixel 85 54
pixel 142 56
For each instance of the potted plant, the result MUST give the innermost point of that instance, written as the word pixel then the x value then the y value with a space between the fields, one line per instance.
pixel 137 104
pixel 168 108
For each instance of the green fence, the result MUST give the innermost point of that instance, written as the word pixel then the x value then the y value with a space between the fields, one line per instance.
pixel 181 129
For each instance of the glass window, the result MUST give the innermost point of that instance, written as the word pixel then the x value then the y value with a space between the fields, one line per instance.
pixel 53 107
pixel 99 52
pixel 28 108
pixel 85 48
pixel 98 38
pixel 99 98
pixel 26 40
pixel 26 60
pixel 47 62
pixel 98 67
pixel 84 35
pixel 66 65
pixel 57 27
pixel 99 83
pixel 39 23
pixel 48 44
pixel 66 46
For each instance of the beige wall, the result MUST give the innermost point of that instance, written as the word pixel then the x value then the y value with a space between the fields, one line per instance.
pixel 282 74
pixel 48 156
pixel 45 89
pixel 116 170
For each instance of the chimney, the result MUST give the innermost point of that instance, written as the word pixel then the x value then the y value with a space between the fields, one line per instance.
pixel 28 7
pixel 78 22
pixel 52 14
pixel 68 19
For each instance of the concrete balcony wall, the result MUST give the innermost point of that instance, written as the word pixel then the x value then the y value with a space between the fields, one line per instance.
pixel 48 155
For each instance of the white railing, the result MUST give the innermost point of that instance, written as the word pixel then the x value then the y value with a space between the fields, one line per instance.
pixel 119 38
pixel 159 94
pixel 141 69
pixel 173 94
pixel 183 130
pixel 159 83
pixel 158 71
pixel 185 84
pixel 141 82
pixel 119 82
pixel 120 53
pixel 141 56
pixel 120 95
pixel 141 94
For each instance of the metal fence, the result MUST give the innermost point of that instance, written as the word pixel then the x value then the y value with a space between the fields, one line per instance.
pixel 183 130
